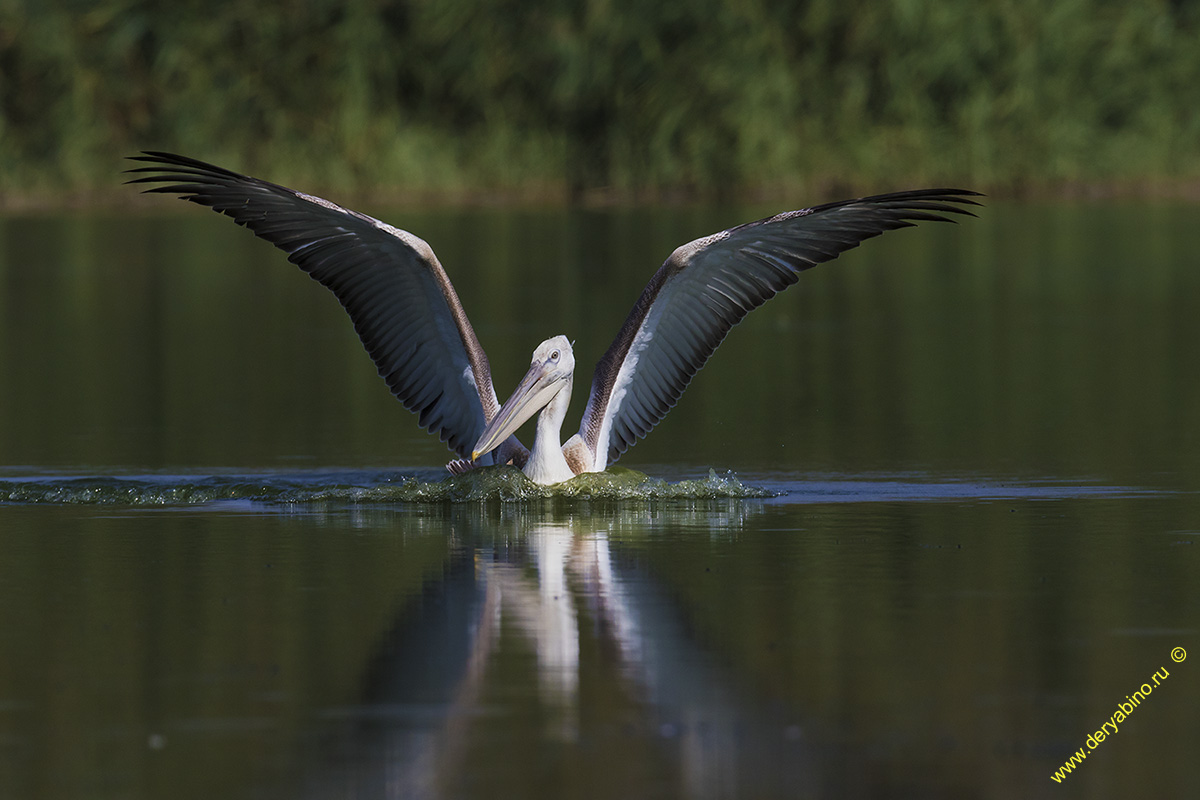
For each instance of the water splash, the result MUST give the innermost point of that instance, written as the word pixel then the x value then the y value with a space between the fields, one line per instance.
pixel 504 484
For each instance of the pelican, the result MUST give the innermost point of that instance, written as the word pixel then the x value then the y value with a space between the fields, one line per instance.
pixel 413 326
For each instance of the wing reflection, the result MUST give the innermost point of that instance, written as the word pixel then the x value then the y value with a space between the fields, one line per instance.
pixel 544 638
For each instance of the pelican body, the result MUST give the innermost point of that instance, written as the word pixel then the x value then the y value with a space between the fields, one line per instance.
pixel 413 326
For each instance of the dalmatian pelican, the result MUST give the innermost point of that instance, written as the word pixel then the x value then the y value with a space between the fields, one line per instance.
pixel 412 324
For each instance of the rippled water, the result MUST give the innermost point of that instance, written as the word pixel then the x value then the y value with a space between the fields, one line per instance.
pixel 268 490
pixel 918 528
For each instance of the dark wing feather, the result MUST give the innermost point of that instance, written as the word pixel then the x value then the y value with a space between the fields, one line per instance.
pixel 389 281
pixel 707 286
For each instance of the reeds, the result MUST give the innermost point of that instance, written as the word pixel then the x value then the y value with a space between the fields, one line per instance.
pixel 635 98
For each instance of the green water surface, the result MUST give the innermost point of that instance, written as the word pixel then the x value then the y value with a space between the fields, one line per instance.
pixel 979 447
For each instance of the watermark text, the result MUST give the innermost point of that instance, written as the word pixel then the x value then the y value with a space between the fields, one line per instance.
pixel 1124 709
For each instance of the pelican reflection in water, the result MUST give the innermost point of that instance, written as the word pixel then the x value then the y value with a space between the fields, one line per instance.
pixel 557 640
pixel 409 317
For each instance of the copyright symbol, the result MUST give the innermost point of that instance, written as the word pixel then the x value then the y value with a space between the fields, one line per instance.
pixel 1178 654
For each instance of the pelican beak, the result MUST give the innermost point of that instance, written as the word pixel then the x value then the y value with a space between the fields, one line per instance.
pixel 537 388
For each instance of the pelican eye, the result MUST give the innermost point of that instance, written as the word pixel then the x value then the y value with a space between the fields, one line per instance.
pixel 554 356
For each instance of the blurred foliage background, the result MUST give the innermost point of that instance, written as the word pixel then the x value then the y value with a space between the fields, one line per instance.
pixel 619 98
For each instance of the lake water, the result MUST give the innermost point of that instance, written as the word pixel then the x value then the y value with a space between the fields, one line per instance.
pixel 226 573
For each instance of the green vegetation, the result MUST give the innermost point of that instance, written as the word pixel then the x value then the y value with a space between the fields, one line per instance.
pixel 636 98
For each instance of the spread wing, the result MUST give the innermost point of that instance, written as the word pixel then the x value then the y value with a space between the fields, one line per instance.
pixel 403 307
pixel 707 286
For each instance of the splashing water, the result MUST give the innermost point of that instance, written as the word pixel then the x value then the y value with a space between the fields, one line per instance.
pixel 505 484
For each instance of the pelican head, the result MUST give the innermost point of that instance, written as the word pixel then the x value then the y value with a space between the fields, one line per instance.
pixel 547 385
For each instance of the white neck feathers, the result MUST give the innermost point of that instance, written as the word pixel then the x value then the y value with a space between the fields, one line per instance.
pixel 546 462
